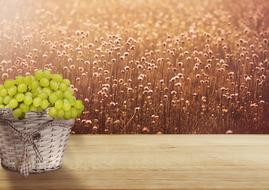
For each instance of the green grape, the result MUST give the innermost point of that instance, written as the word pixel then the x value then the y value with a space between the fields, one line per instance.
pixel 39 89
pixel 67 115
pixel 66 105
pixel 74 113
pixel 71 90
pixel 53 98
pixel 20 97
pixel 59 94
pixel 25 108
pixel 13 103
pixel 66 82
pixel 44 82
pixel 37 102
pixel 1 100
pixel 43 95
pixel 52 112
pixel 47 74
pixel 60 114
pixel 28 94
pixel 17 113
pixel 12 90
pixel 33 108
pixel 47 91
pixel 79 105
pixel 59 104
pixel 81 110
pixel 28 79
pixel 38 74
pixel 45 104
pixel 63 87
pixel 34 85
pixel 2 106
pixel 28 100
pixel 22 88
pixel 7 100
pixel 1 87
pixel 19 79
pixel 9 83
pixel 3 92
pixel 79 113
pixel 36 92
pixel 68 95
pixel 72 100
pixel 54 85
pixel 57 77
pixel 39 109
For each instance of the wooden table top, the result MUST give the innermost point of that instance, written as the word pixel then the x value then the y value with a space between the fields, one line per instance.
pixel 155 162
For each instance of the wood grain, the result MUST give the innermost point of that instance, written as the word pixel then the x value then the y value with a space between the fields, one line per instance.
pixel 155 162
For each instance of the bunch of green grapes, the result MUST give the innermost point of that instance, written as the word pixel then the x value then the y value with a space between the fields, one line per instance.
pixel 38 93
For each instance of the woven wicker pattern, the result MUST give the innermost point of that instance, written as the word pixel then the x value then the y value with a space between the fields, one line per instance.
pixel 42 147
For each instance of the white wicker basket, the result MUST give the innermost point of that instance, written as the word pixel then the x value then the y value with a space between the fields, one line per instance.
pixel 32 145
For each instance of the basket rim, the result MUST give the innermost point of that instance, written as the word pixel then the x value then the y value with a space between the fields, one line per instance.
pixel 34 115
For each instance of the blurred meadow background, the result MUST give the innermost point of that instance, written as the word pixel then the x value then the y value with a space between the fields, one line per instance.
pixel 148 66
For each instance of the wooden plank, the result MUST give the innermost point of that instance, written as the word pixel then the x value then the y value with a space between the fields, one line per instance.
pixel 155 162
